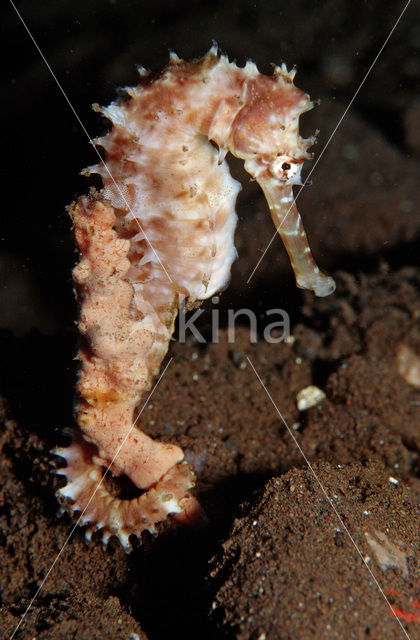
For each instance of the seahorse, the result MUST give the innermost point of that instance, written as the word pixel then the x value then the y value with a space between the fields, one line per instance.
pixel 159 234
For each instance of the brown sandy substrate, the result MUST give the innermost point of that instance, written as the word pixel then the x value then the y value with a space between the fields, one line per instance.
pixel 211 403
pixel 290 570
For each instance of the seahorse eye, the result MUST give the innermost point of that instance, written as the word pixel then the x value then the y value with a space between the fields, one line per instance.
pixel 286 169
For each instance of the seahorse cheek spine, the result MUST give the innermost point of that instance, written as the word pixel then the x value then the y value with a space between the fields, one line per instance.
pixel 160 233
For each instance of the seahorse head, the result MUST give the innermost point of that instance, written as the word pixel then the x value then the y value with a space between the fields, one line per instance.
pixel 264 132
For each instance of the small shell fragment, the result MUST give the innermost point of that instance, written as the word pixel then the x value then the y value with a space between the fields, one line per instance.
pixel 408 364
pixel 309 397
pixel 387 553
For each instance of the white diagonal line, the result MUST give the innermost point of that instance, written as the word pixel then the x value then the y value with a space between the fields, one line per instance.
pixel 89 138
pixel 90 500
pixel 332 505
pixel 331 136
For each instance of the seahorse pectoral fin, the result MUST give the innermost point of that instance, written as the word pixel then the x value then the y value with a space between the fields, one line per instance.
pixel 289 225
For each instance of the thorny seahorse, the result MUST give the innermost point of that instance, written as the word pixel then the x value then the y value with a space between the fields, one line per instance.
pixel 159 233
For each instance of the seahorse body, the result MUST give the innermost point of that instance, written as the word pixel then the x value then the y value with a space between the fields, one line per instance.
pixel 161 232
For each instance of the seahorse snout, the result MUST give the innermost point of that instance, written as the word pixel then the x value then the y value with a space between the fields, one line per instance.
pixel 286 217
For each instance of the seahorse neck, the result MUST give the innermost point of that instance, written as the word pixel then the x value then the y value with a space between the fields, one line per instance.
pixel 211 93
pixel 223 92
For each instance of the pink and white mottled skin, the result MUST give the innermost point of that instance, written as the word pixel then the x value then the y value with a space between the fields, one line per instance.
pixel 161 232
